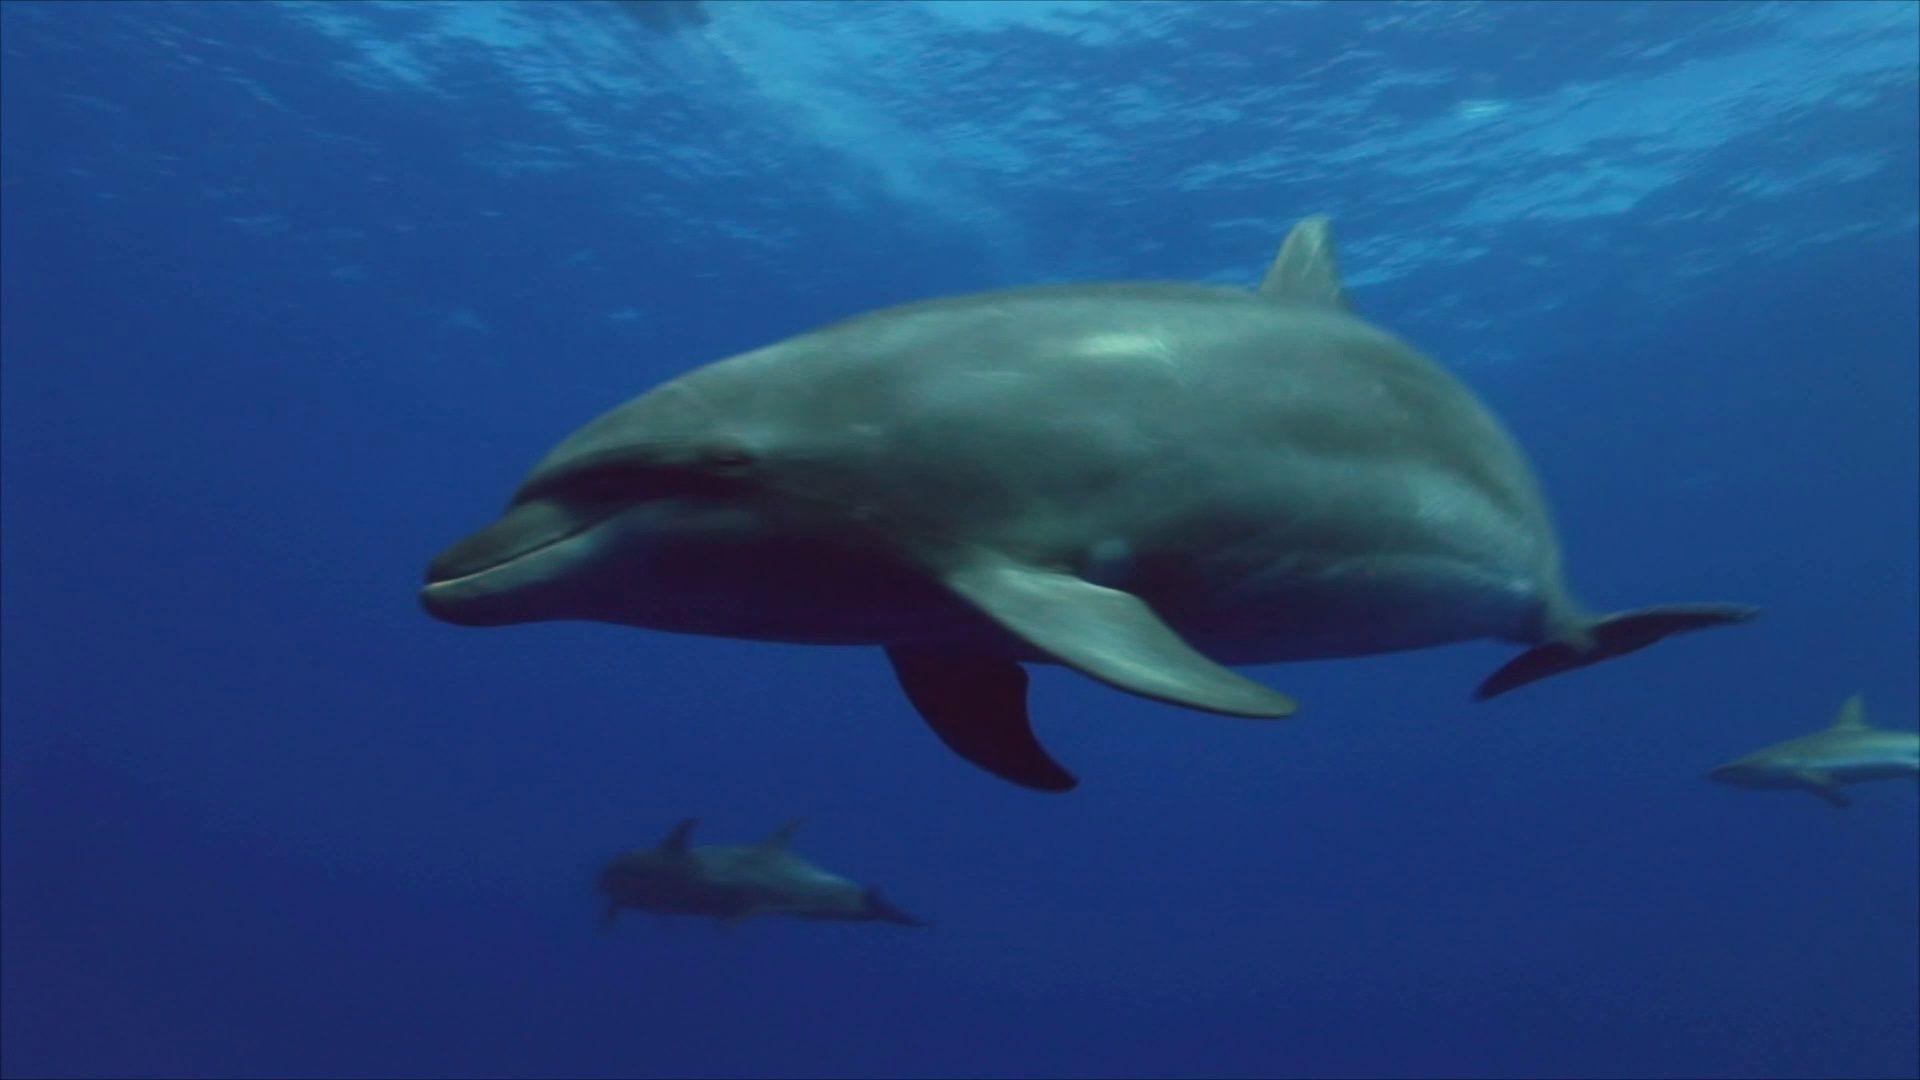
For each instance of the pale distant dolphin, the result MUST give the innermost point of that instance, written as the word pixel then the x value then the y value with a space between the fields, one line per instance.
pixel 733 882
pixel 1139 481
pixel 1846 753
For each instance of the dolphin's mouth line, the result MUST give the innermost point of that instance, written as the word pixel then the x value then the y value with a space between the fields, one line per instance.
pixel 518 556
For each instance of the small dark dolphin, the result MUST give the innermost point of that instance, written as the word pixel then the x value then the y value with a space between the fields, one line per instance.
pixel 1846 753
pixel 734 882
pixel 1142 482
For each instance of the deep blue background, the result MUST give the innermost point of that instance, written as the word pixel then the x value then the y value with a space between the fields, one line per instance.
pixel 280 322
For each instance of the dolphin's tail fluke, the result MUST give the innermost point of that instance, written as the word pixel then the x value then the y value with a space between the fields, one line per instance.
pixel 882 909
pixel 1611 635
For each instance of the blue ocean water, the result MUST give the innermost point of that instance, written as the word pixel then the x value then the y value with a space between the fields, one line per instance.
pixel 294 293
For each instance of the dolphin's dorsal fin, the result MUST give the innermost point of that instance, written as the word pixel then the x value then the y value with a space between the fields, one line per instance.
pixel 783 834
pixel 677 839
pixel 1306 270
pixel 1853 716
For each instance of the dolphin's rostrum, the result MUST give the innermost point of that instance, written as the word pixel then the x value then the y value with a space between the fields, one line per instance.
pixel 738 881
pixel 1143 482
pixel 1847 752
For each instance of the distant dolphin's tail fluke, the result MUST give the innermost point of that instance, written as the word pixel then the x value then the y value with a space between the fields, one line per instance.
pixel 1612 635
pixel 882 909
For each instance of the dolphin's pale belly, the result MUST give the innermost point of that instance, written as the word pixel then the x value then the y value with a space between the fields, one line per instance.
pixel 1852 771
pixel 1847 757
pixel 1884 759
pixel 1350 565
pixel 1234 605
pixel 1357 607
pixel 1246 602
pixel 781 884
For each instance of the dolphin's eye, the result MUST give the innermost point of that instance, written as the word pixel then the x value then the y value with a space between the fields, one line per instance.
pixel 728 457
pixel 708 478
pixel 604 483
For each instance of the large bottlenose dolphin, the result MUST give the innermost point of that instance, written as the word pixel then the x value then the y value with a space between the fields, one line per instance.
pixel 1140 481
pixel 737 881
pixel 1847 752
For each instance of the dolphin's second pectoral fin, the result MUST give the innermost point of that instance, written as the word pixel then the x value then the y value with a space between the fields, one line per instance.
pixel 1111 635
pixel 978 707
pixel 1822 785
pixel 1613 635
pixel 1833 796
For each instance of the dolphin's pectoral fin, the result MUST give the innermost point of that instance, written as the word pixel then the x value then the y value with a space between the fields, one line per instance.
pixel 729 911
pixel 1833 797
pixel 607 916
pixel 1112 636
pixel 1614 635
pixel 978 707
pixel 1822 785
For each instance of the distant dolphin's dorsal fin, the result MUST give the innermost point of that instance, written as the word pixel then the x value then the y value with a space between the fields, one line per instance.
pixel 1853 716
pixel 1306 270
pixel 778 840
pixel 677 839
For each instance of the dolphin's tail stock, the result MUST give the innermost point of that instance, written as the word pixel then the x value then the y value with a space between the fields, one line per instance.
pixel 1610 636
pixel 882 909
